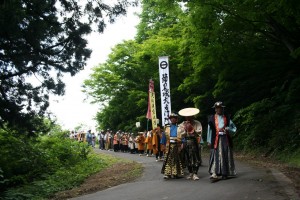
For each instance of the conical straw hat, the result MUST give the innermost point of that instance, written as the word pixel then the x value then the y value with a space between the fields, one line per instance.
pixel 188 112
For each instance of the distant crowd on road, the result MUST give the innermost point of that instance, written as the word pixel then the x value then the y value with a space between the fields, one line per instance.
pixel 142 143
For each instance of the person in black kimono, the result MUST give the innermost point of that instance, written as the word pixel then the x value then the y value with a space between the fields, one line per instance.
pixel 219 131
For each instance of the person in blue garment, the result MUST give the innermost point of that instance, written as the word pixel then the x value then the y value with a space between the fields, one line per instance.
pixel 219 131
pixel 172 167
pixel 163 143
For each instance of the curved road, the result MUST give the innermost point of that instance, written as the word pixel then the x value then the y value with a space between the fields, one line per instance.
pixel 250 184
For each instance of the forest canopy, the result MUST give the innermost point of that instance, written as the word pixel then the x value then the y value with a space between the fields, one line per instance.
pixel 243 53
pixel 40 41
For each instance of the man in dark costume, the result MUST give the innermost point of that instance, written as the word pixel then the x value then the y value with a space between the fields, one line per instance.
pixel 221 162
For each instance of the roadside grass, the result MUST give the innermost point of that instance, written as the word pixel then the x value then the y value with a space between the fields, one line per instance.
pixel 121 172
pixel 291 158
pixel 66 178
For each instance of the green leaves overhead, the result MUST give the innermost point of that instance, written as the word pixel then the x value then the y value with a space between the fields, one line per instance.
pixel 244 53
pixel 39 42
pixel 121 83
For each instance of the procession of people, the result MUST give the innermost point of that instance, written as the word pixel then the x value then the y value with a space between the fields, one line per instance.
pixel 178 145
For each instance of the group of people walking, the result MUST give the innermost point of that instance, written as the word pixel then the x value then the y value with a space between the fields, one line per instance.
pixel 177 145
pixel 119 141
pixel 149 143
pixel 183 145
pixel 82 136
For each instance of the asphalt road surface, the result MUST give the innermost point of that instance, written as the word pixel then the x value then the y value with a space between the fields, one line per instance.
pixel 251 183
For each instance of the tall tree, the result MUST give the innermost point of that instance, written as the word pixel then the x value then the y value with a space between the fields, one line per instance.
pixel 246 53
pixel 231 42
pixel 122 82
pixel 39 42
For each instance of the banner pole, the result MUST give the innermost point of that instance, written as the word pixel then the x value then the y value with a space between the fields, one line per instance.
pixel 147 124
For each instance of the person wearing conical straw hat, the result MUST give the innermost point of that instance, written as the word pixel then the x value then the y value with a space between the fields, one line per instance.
pixel 220 126
pixel 191 130
pixel 172 167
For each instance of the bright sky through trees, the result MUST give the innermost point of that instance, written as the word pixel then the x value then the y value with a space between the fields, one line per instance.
pixel 72 109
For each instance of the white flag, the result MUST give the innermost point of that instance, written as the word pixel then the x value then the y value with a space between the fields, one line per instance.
pixel 165 95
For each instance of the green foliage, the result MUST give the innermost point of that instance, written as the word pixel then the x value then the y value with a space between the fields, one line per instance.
pixel 24 160
pixel 39 42
pixel 62 151
pixel 293 91
pixel 63 179
pixel 38 168
pixel 122 82
pixel 291 157
pixel 155 17
pixel 244 53
pixel 265 128
pixel 17 158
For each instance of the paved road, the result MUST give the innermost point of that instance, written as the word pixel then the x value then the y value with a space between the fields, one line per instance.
pixel 250 184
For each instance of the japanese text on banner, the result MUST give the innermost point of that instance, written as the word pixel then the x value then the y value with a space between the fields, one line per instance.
pixel 164 89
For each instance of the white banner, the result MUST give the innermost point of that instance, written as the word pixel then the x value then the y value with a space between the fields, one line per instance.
pixel 165 94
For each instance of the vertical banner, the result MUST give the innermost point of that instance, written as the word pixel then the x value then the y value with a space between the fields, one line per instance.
pixel 163 64
pixel 151 88
pixel 151 113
